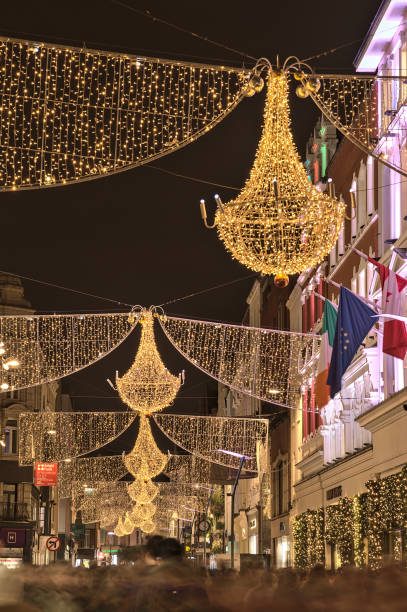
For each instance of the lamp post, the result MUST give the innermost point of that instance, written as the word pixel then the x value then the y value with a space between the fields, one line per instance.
pixel 206 514
pixel 232 503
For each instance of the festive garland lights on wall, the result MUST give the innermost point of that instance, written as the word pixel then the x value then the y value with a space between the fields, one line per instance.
pixel 279 223
pixel 37 349
pixel 56 436
pixel 267 364
pixel 70 114
pixel 377 518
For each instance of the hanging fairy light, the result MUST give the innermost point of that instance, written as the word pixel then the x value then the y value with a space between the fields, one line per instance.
pixel 279 223
pixel 71 114
pixel 148 386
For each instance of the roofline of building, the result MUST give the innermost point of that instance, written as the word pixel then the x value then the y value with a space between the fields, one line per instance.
pixel 371 31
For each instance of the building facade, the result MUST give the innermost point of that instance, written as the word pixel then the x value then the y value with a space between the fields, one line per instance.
pixel 348 460
pixel 28 515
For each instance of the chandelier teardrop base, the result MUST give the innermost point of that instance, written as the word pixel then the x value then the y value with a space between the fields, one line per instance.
pixel 279 223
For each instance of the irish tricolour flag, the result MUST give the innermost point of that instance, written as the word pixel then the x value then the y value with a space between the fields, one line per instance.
pixel 327 340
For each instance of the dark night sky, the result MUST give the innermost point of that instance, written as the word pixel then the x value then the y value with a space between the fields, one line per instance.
pixel 138 236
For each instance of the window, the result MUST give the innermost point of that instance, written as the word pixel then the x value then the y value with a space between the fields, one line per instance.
pixel 9 493
pixel 280 488
pixel 11 438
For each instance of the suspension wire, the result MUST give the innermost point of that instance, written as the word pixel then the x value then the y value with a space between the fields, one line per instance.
pixel 185 297
pixel 146 13
pixel 92 295
pixel 191 178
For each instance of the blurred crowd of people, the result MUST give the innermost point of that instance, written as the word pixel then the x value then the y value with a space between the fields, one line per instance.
pixel 161 580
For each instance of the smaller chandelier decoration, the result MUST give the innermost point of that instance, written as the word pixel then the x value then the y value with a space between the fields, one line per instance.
pixel 142 490
pixel 148 386
pixel 279 223
pixel 145 460
pixel 147 527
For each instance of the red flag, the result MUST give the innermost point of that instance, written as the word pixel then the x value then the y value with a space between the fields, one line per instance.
pixel 395 333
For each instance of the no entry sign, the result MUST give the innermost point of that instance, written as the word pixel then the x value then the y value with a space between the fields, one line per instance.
pixel 46 474
pixel 53 543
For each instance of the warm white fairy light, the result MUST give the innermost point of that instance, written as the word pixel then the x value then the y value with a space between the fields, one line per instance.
pixel 263 363
pixel 360 108
pixel 56 436
pixel 37 349
pixel 203 436
pixel 148 386
pixel 279 223
pixel 145 460
pixel 69 114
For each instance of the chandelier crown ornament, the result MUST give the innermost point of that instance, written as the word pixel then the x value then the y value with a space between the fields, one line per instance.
pixel 148 386
pixel 279 223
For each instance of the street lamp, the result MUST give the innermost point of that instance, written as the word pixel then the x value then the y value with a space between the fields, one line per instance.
pixel 232 502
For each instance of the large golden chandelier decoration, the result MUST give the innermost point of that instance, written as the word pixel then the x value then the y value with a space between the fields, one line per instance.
pixel 279 223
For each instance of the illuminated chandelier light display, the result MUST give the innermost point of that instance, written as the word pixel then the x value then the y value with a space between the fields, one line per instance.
pixel 148 386
pixel 37 349
pixel 145 460
pixel 267 364
pixel 57 436
pixel 143 490
pixel 69 114
pixel 279 223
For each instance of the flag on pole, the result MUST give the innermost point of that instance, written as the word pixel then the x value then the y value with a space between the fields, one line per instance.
pixel 394 331
pixel 327 339
pixel 355 320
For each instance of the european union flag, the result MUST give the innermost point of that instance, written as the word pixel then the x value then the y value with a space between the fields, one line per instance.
pixel 354 322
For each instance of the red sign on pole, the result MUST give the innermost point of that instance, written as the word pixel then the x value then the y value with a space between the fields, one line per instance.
pixel 53 543
pixel 45 474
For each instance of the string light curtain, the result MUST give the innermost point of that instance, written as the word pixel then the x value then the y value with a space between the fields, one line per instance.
pixel 75 474
pixel 56 436
pixel 279 223
pixel 206 436
pixel 267 364
pixel 37 349
pixel 368 110
pixel 189 469
pixel 70 114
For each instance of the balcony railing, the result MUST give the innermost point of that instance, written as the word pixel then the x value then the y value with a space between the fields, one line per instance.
pixel 14 512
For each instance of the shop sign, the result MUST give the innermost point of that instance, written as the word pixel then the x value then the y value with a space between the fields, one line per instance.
pixel 12 537
pixel 45 474
pixel 334 493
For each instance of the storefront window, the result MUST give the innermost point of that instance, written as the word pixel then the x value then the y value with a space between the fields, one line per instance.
pixel 11 438
pixel 283 552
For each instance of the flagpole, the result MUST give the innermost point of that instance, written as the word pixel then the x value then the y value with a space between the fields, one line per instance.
pixel 366 300
pixel 324 299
